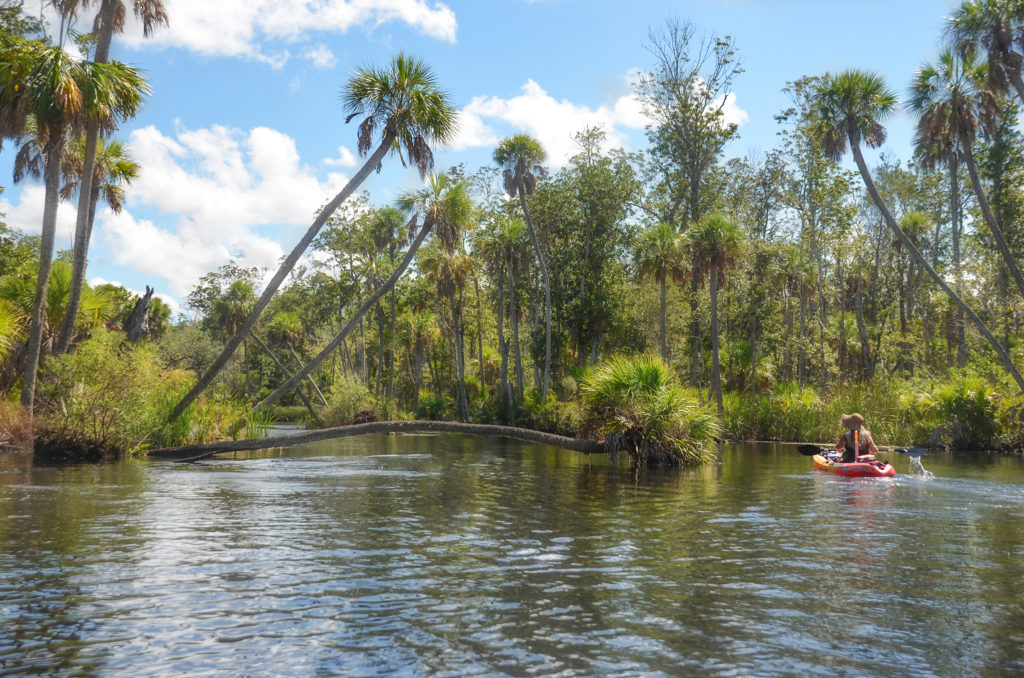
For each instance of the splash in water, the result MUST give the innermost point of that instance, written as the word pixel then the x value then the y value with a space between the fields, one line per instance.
pixel 918 469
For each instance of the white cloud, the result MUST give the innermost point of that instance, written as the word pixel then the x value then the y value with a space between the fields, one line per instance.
pixel 257 29
pixel 346 158
pixel 222 178
pixel 553 122
pixel 321 56
pixel 27 214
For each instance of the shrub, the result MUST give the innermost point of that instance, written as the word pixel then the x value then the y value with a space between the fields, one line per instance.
pixel 637 405
pixel 348 398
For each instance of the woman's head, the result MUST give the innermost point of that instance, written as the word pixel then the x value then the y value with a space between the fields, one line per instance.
pixel 852 421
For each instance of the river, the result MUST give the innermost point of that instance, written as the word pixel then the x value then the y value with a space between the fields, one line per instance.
pixel 448 555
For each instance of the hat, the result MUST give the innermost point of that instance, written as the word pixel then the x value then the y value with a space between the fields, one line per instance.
pixel 852 420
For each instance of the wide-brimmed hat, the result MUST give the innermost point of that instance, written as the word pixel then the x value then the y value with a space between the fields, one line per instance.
pixel 853 420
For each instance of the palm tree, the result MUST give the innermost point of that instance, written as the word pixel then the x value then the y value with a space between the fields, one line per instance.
pixel 442 204
pixel 45 83
pixel 716 244
pixel 420 328
pixel 993 27
pixel 520 157
pixel 109 20
pixel 112 168
pixel 230 311
pixel 406 107
pixel 660 256
pixel 850 108
pixel 449 268
pixel 952 104
pixel 388 233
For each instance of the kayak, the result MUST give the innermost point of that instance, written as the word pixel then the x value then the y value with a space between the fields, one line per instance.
pixel 858 469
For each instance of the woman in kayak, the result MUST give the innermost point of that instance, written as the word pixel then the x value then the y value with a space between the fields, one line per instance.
pixel 857 441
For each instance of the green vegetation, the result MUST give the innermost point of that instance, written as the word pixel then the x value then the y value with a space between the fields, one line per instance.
pixel 778 290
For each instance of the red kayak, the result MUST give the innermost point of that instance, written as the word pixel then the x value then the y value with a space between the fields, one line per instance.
pixel 857 469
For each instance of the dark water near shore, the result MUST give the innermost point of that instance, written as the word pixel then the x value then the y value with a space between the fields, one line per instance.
pixel 446 555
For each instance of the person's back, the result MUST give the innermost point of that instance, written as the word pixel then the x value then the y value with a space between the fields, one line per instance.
pixel 857 440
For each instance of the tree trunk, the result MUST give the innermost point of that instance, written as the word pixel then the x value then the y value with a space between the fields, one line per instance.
pixel 716 375
pixel 956 217
pixel 514 315
pixel 285 374
pixel 873 191
pixel 368 304
pixel 867 363
pixel 461 406
pixel 502 344
pixel 136 326
pixel 282 272
pixel 83 220
pixel 547 293
pixel 480 336
pixel 990 219
pixel 694 335
pixel 53 152
pixel 312 381
pixel 664 306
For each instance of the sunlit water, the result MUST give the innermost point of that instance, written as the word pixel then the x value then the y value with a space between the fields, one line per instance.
pixel 456 556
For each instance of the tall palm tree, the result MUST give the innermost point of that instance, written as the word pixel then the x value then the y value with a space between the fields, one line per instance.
pixel 850 107
pixel 404 105
pixel 109 20
pixel 995 27
pixel 388 232
pixel 661 257
pixel 442 204
pixel 45 83
pixel 112 169
pixel 951 102
pixel 716 244
pixel 449 268
pixel 520 157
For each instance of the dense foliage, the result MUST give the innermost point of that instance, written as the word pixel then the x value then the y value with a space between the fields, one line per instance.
pixel 781 288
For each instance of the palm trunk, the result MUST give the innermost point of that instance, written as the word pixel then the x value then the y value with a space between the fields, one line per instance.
pixel 368 304
pixel 245 363
pixel 83 220
pixel 664 307
pixel 461 406
pixel 1008 365
pixel 547 293
pixel 285 373
pixel 480 336
pixel 502 344
pixel 49 232
pixel 282 272
pixel 514 315
pixel 990 219
pixel 694 335
pixel 716 376
pixel 954 196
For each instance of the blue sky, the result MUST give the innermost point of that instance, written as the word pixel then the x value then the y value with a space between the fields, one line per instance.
pixel 244 138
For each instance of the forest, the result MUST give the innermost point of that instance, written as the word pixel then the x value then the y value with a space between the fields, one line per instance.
pixel 658 300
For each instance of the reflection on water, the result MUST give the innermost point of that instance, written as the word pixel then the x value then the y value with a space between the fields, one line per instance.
pixel 456 556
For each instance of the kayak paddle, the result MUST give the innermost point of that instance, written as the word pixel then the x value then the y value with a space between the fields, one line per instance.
pixel 809 450
pixel 914 452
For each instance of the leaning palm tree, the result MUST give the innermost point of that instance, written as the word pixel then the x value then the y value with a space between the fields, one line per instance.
pixel 850 107
pixel 442 204
pixel 45 83
pixel 660 256
pixel 404 105
pixel 109 20
pixel 951 102
pixel 520 157
pixel 995 27
pixel 716 244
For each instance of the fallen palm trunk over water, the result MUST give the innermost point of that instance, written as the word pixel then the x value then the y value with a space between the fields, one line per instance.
pixel 196 452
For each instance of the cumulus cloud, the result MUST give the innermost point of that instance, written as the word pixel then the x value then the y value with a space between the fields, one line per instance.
pixel 259 29
pixel 321 56
pixel 204 194
pixel 554 122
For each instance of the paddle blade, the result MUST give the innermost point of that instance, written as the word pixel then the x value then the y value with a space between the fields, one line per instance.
pixel 912 451
pixel 809 450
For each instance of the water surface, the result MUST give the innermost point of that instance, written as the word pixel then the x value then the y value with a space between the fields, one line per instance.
pixel 450 555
